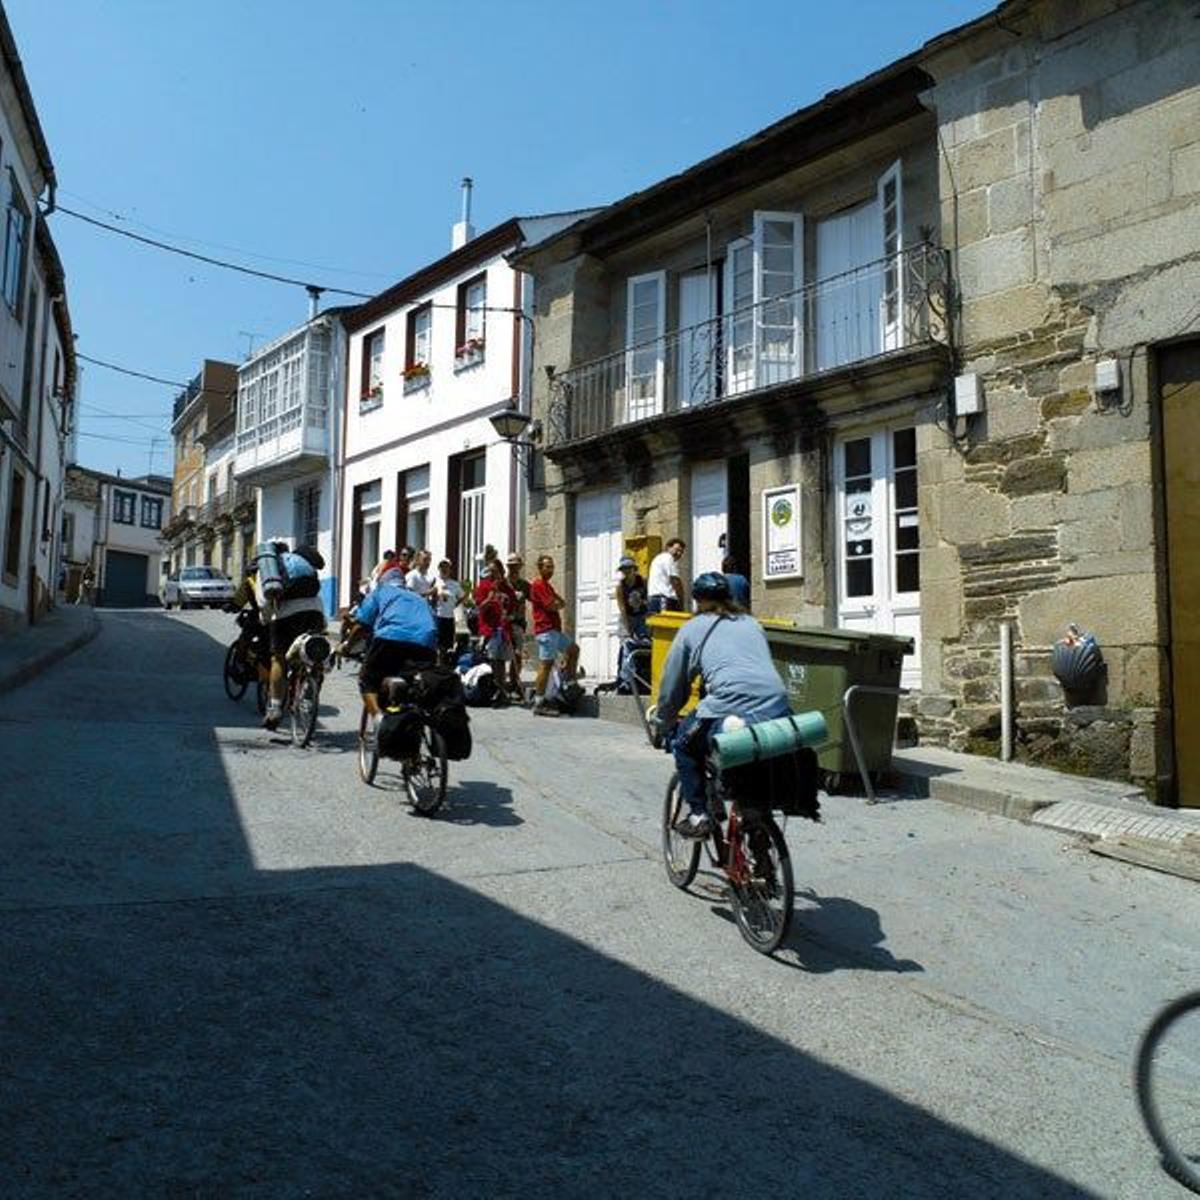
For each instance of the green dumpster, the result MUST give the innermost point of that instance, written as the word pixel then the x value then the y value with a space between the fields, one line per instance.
pixel 817 666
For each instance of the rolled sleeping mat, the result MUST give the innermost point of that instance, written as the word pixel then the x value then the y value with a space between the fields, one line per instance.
pixel 270 570
pixel 769 739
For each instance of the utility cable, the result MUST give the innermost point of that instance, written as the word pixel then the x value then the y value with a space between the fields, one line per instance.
pixel 99 362
pixel 205 258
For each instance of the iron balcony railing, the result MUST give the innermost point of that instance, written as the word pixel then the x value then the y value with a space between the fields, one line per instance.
pixel 224 505
pixel 899 301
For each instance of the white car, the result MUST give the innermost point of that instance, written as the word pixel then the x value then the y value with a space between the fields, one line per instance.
pixel 196 586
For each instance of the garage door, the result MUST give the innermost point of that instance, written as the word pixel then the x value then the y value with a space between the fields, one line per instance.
pixel 125 579
pixel 597 551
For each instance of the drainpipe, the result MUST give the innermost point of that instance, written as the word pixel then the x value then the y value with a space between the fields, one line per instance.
pixel 1006 746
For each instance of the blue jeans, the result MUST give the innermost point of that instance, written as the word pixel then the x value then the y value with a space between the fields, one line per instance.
pixel 657 604
pixel 689 747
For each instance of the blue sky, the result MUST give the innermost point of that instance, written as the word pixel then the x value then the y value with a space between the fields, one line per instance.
pixel 281 132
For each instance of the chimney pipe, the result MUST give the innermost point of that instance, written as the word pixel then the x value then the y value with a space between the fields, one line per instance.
pixel 314 300
pixel 463 231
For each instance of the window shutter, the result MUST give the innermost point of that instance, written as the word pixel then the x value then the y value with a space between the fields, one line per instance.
pixel 739 309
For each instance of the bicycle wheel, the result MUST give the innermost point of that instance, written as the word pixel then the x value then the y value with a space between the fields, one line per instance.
pixel 306 700
pixel 368 751
pixel 426 778
pixel 235 676
pixel 764 895
pixel 681 855
pixel 1167 1068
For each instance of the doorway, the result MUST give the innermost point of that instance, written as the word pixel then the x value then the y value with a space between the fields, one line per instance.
pixel 698 349
pixel 879 538
pixel 1179 386
pixel 710 516
pixel 598 549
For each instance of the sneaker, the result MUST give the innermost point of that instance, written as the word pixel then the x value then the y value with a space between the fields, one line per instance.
pixel 545 710
pixel 694 825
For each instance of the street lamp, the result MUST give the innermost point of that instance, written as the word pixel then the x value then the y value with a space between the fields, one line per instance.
pixel 510 423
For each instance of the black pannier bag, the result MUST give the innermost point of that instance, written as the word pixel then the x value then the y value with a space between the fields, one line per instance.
pixel 788 784
pixel 399 733
pixel 452 721
pixel 436 686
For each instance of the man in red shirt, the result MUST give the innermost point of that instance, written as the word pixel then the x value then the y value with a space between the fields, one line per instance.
pixel 495 601
pixel 552 643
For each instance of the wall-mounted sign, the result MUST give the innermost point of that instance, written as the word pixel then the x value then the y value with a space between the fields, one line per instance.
pixel 781 533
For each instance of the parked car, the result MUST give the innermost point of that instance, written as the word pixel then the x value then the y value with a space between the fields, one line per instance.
pixel 196 585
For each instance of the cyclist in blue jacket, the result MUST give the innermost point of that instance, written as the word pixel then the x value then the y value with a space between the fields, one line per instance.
pixel 404 635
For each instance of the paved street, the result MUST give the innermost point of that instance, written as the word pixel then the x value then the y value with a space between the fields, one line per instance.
pixel 232 969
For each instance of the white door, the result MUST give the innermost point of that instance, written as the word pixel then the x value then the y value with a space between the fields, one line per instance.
pixel 697 348
pixel 710 503
pixel 879 538
pixel 597 551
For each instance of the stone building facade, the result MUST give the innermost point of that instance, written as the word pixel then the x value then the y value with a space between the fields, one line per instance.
pixel 1051 152
pixel 1070 185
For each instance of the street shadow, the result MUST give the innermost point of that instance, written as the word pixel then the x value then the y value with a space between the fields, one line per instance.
pixel 479 802
pixel 180 1021
pixel 832 933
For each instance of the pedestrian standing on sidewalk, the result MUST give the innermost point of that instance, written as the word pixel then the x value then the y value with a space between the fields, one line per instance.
pixel 447 596
pixel 87 581
pixel 665 585
pixel 417 580
pixel 520 586
pixel 494 602
pixel 552 643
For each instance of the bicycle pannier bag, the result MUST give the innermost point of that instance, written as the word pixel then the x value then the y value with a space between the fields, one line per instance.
pixel 452 721
pixel 437 686
pixel 400 733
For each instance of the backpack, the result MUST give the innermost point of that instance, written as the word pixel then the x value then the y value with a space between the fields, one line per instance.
pixel 564 694
pixel 436 686
pixel 452 721
pixel 299 576
pixel 399 733
pixel 312 556
pixel 479 686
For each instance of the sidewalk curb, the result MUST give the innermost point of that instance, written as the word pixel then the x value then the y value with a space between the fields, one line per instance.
pixel 31 668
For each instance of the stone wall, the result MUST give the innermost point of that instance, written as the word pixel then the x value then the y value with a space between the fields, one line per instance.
pixel 1071 195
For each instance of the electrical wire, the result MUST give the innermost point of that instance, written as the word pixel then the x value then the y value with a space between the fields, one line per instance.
pixel 109 437
pixel 99 362
pixel 180 237
pixel 206 258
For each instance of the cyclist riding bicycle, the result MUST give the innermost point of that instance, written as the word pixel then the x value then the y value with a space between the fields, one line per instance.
pixel 728 650
pixel 404 635
pixel 288 617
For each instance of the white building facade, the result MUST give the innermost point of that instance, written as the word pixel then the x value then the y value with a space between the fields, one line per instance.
pixel 290 397
pixel 430 361
pixel 37 359
pixel 115 525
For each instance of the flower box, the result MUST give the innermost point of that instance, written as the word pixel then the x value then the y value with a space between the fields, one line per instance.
pixel 469 353
pixel 371 399
pixel 415 377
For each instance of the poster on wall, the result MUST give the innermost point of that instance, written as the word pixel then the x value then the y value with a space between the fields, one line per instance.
pixel 781 532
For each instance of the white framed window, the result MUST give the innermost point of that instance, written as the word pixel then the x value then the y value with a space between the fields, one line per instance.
pixel 739 309
pixel 370 514
pixel 16 246
pixel 306 518
pixel 891 219
pixel 416 507
pixel 778 277
pixel 645 324
pixel 474 311
pixel 374 352
pixel 420 329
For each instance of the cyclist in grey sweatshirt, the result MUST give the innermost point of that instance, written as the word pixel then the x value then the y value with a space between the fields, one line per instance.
pixel 728 651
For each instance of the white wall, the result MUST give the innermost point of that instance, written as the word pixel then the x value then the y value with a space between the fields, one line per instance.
pixel 277 518
pixel 428 426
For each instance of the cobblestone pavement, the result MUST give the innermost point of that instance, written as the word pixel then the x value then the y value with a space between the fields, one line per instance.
pixel 231 969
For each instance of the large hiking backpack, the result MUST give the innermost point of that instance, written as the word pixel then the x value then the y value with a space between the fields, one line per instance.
pixel 299 577
pixel 453 722
pixel 479 686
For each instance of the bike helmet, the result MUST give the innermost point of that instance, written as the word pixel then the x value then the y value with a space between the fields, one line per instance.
pixel 712 585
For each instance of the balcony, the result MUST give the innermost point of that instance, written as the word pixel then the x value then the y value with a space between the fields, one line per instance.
pixel 283 447
pixel 870 313
pixel 227 509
